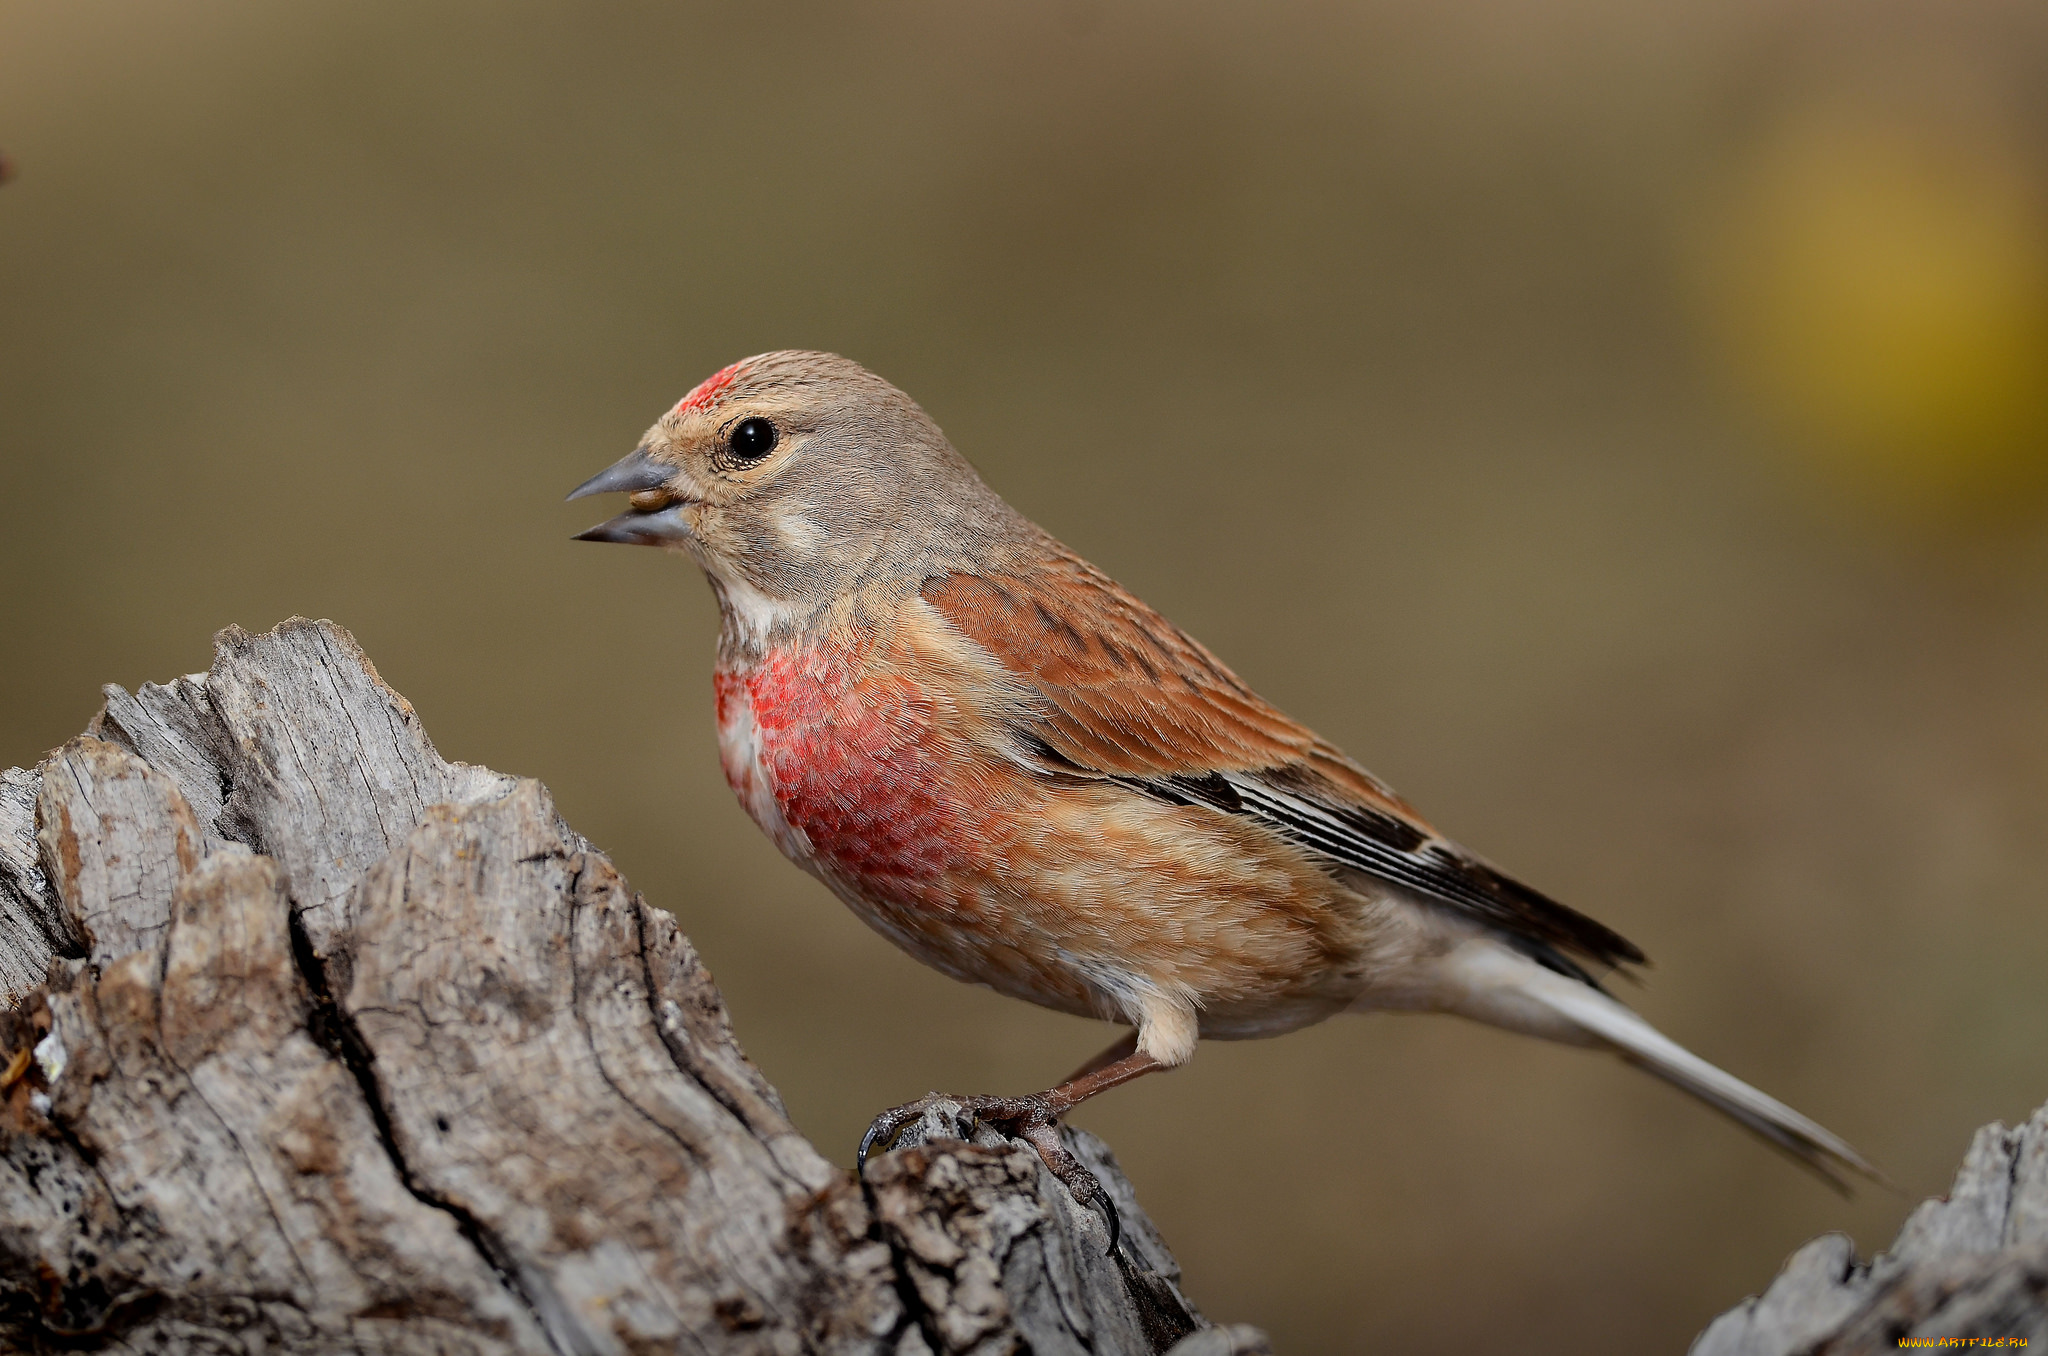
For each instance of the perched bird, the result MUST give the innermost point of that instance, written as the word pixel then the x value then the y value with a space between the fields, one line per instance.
pixel 1026 778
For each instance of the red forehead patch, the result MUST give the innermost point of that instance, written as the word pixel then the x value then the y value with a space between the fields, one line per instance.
pixel 707 390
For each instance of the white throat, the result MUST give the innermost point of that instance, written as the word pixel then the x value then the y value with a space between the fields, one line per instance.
pixel 751 617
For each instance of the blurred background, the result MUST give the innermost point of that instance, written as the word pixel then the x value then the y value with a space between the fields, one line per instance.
pixel 1623 427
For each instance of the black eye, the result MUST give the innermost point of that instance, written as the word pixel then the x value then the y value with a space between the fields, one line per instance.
pixel 752 439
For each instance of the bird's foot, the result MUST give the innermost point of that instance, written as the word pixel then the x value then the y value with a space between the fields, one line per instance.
pixel 1034 1119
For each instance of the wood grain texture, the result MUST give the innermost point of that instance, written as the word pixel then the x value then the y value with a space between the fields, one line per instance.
pixel 994 1250
pixel 33 927
pixel 1972 1264
pixel 317 1042
pixel 116 837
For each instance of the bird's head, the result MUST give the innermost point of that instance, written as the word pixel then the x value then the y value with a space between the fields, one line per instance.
pixel 795 478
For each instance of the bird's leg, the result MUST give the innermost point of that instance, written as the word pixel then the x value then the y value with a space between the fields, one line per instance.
pixel 1108 1057
pixel 1035 1120
pixel 1100 1078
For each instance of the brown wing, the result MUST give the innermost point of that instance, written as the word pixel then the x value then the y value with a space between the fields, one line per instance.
pixel 1130 697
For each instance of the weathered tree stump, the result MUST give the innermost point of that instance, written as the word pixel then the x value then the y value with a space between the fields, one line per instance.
pixel 1971 1265
pixel 314 1041
pixel 311 1041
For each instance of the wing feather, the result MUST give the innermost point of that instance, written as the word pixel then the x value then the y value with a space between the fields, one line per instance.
pixel 1127 696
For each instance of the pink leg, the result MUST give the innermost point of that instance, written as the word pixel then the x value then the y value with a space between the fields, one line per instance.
pixel 1126 1046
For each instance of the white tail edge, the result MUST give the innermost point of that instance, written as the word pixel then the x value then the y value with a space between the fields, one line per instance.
pixel 1493 984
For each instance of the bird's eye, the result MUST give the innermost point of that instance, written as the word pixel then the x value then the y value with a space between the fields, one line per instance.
pixel 752 439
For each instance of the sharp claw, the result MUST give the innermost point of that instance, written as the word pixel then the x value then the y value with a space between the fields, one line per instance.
pixel 867 1144
pixel 882 1132
pixel 1116 1224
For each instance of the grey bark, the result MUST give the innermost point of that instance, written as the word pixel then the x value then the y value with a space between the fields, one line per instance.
pixel 1970 1265
pixel 313 1041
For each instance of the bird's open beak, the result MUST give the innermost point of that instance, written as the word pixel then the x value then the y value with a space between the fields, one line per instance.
pixel 636 473
pixel 630 474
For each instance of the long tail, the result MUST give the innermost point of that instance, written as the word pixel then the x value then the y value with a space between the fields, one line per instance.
pixel 1489 982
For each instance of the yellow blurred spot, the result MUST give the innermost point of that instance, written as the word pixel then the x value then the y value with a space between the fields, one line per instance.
pixel 1882 288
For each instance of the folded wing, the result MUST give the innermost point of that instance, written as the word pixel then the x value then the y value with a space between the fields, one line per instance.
pixel 1128 697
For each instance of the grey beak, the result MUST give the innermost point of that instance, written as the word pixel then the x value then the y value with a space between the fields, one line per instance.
pixel 629 474
pixel 634 528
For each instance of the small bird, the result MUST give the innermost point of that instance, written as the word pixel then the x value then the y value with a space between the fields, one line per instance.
pixel 1029 780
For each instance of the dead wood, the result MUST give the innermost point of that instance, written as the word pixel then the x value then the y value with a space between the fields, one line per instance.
pixel 317 1042
pixel 313 1041
pixel 1970 1267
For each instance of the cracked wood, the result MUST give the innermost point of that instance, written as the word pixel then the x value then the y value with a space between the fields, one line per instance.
pixel 315 1041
